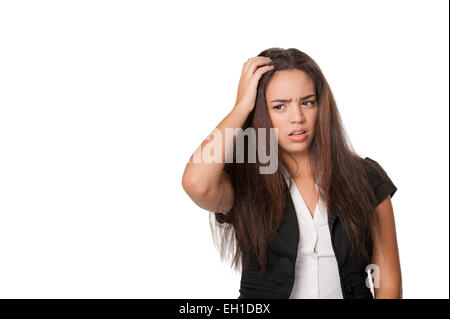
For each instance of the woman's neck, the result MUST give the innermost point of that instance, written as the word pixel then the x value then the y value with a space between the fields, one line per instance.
pixel 300 160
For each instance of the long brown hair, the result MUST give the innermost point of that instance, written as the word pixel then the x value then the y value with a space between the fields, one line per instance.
pixel 259 199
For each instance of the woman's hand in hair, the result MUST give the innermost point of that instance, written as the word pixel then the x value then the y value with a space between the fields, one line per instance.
pixel 252 71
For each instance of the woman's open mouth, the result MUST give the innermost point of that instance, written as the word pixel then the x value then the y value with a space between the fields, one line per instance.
pixel 298 136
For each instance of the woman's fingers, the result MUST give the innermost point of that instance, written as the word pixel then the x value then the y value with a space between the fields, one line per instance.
pixel 252 70
pixel 258 73
pixel 253 63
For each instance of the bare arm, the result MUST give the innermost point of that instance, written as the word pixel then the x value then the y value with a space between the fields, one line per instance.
pixel 206 183
pixel 386 255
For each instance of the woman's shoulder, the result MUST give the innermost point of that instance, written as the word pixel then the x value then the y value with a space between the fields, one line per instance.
pixel 374 171
pixel 379 179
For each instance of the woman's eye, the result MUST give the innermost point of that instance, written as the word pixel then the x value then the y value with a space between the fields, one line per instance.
pixel 311 103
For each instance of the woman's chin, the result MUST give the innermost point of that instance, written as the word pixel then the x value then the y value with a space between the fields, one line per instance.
pixel 295 148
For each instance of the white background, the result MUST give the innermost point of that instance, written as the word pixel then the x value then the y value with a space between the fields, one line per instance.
pixel 103 102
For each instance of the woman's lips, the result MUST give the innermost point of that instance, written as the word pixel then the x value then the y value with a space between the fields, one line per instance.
pixel 299 138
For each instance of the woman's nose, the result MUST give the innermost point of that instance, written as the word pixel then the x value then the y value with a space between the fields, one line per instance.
pixel 297 114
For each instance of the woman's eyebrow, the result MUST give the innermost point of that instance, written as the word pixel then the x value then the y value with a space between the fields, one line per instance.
pixel 301 99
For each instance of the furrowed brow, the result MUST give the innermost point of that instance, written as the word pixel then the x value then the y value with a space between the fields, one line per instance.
pixel 289 100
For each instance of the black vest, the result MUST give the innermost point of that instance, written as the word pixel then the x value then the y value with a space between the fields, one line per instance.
pixel 282 254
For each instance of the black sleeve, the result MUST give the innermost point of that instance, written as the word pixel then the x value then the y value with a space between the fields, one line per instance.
pixel 381 183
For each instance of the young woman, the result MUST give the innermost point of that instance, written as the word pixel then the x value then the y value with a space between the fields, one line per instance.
pixel 323 221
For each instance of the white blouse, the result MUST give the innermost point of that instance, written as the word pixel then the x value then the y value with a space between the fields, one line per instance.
pixel 316 272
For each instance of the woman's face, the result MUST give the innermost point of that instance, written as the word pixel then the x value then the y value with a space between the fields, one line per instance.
pixel 291 102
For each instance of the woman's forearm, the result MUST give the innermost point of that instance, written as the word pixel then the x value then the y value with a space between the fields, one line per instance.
pixel 390 292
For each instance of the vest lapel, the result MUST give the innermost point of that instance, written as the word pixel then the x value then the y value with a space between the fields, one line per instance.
pixel 289 225
pixel 331 220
